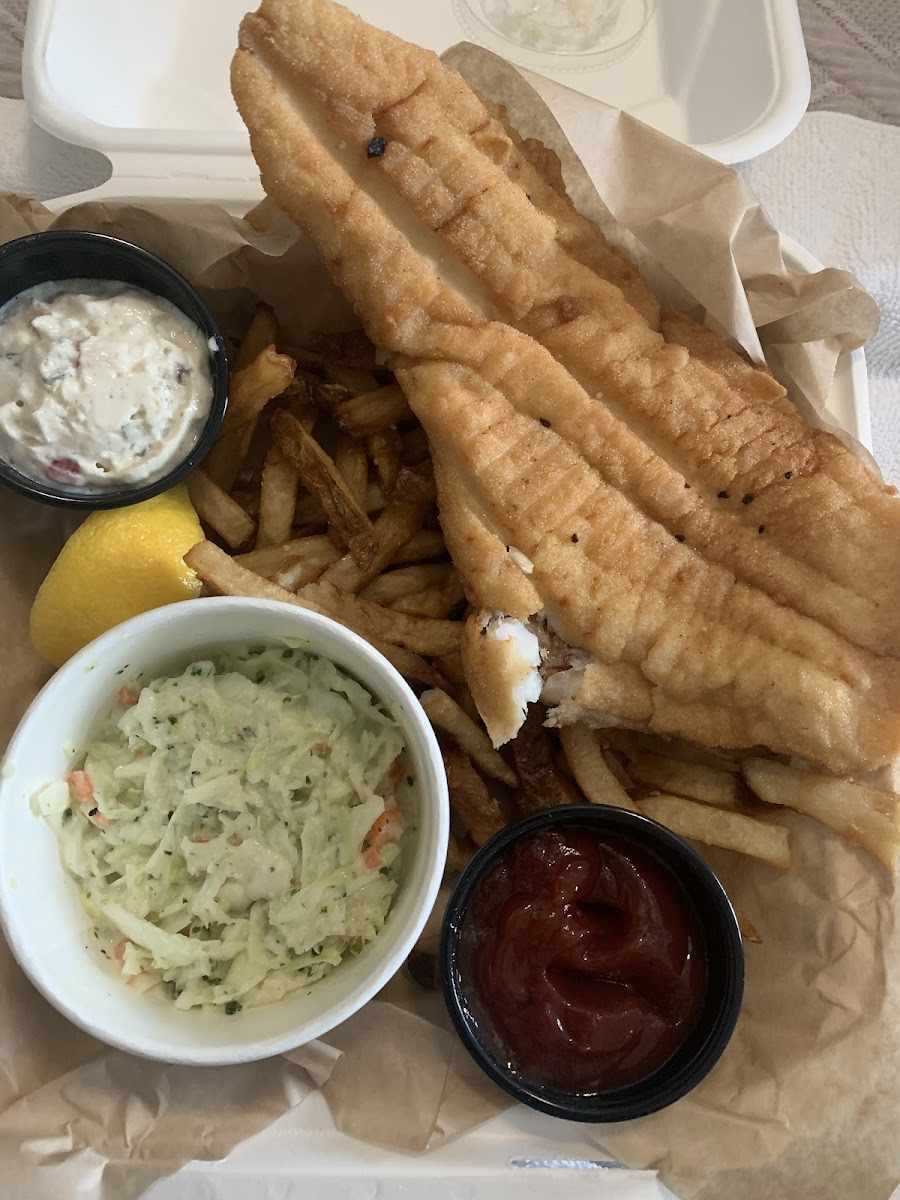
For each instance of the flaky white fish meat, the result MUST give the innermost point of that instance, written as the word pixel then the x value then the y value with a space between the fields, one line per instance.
pixel 696 559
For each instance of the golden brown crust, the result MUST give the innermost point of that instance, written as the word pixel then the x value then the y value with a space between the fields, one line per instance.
pixel 603 692
pixel 750 381
pixel 536 169
pixel 562 414
pixel 715 661
pixel 829 529
pixel 490 576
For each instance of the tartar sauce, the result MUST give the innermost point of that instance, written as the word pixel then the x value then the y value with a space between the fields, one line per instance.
pixel 101 384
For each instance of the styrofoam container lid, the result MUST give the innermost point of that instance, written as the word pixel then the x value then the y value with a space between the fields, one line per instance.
pixel 149 86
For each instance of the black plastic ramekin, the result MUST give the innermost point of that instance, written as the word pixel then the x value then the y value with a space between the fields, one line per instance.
pixel 58 255
pixel 724 988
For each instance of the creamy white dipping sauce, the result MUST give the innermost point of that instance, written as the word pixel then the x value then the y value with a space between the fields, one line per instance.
pixel 101 384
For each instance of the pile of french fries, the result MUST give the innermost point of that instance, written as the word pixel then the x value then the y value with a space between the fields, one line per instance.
pixel 320 492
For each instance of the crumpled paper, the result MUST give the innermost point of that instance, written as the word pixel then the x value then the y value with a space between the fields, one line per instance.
pixel 695 229
pixel 809 1066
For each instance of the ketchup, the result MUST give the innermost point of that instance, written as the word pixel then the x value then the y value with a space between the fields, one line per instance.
pixel 582 959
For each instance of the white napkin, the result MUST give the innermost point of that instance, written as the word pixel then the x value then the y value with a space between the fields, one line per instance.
pixel 834 186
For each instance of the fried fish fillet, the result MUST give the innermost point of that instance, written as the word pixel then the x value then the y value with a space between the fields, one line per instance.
pixel 715 568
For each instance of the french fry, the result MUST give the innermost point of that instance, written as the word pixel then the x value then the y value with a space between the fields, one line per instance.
pixel 436 602
pixel 307 360
pixel 222 574
pixel 718 827
pixel 618 770
pixel 463 698
pixel 424 545
pixel 353 465
pixel 251 389
pixel 250 474
pixel 415 485
pixel 541 783
pixel 248 499
pixel 298 574
pixel 631 742
pixel 451 667
pixel 469 797
pixel 355 381
pixel 261 332
pixel 277 500
pixel 386 449
pixel 346 518
pixel 444 713
pixel 309 509
pixel 219 511
pixel 406 581
pixel 694 780
pixel 311 391
pixel 318 549
pixel 294 400
pixel 459 852
pixel 350 349
pixel 411 666
pixel 585 756
pixel 371 621
pixel 373 412
pixel 392 530
pixel 865 816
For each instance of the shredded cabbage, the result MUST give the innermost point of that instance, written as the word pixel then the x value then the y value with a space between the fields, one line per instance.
pixel 235 830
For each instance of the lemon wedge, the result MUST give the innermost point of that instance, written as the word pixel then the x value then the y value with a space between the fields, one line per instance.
pixel 118 563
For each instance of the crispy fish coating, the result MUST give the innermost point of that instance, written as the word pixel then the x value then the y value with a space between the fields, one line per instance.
pixel 731 570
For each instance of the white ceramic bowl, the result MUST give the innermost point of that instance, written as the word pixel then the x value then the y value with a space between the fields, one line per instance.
pixel 39 906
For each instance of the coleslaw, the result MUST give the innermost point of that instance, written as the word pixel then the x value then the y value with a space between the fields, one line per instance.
pixel 234 830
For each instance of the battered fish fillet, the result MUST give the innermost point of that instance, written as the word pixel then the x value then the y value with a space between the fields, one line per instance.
pixel 715 568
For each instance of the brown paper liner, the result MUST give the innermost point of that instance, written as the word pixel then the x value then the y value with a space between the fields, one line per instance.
pixel 808 1073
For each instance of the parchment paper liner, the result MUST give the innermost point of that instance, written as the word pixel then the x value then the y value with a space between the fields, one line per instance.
pixel 803 1103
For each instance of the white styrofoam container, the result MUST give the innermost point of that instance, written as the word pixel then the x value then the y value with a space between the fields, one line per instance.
pixel 728 76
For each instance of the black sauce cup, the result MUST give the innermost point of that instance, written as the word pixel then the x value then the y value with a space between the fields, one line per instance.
pixel 724 988
pixel 58 255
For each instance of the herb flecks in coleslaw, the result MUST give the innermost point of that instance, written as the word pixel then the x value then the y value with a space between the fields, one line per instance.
pixel 234 830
